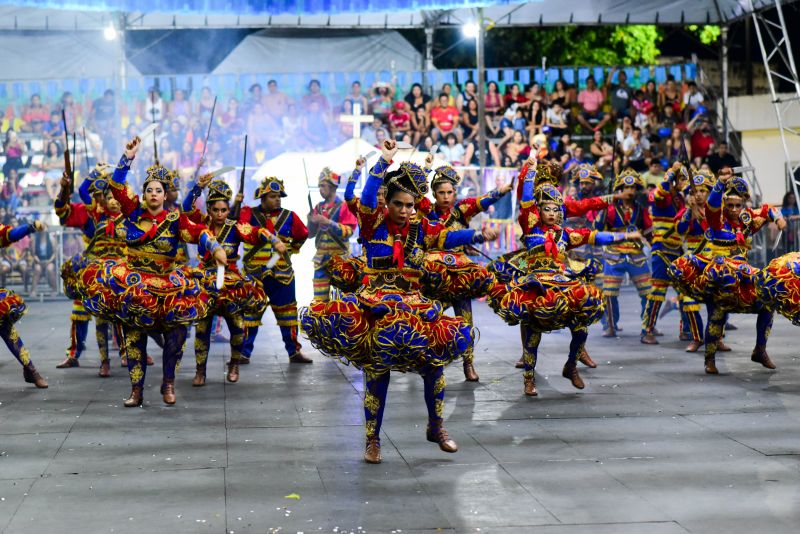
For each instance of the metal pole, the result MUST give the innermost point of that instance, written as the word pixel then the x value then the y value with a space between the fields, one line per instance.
pixel 481 97
pixel 748 55
pixel 428 65
pixel 723 42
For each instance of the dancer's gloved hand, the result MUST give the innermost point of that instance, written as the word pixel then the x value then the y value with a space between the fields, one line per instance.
pixel 360 162
pixel 781 223
pixel 204 180
pixel 505 188
pixel 279 247
pixel 39 226
pixel 635 236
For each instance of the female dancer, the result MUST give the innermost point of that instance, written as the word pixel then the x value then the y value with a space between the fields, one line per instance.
pixel 719 274
pixel 546 296
pixel 147 291
pixel 387 324
pixel 98 217
pixel 459 279
pixel 12 307
pixel 240 294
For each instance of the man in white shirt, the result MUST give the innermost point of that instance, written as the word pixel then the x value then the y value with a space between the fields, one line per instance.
pixel 636 148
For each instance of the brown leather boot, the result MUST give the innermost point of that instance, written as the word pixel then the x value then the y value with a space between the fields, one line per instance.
pixel 299 357
pixel 105 369
pixel 372 453
pixel 32 376
pixel 123 362
pixel 571 372
pixel 520 363
pixel 233 372
pixel 530 387
pixel 722 347
pixel 586 360
pixel 199 379
pixel 694 346
pixel 68 363
pixel 168 392
pixel 439 435
pixel 469 372
pixel 649 339
pixel 244 361
pixel 685 337
pixel 760 356
pixel 609 332
pixel 711 366
pixel 136 398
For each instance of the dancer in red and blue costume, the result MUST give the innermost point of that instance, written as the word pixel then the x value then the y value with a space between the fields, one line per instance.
pixel 624 215
pixel 148 291
pixel 98 217
pixel 278 280
pixel 692 225
pixel 665 204
pixel 241 294
pixel 12 308
pixel 388 325
pixel 719 274
pixel 331 224
pixel 544 294
pixel 459 278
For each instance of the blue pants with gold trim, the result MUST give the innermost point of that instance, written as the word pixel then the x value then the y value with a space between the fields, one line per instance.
pixel 283 302
pixel 660 281
pixel 136 348
pixel 377 387
pixel 202 339
pixel 614 271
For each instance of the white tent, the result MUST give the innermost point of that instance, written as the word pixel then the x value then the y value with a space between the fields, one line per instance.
pixel 59 55
pixel 273 51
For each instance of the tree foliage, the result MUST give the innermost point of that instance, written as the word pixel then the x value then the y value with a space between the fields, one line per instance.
pixel 707 34
pixel 574 45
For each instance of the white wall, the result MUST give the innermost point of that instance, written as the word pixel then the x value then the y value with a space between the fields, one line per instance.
pixel 755 117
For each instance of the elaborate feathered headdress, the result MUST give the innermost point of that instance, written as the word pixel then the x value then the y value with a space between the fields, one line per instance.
pixel 548 193
pixel 443 175
pixel 627 178
pixel 159 173
pixel 219 190
pixel 737 187
pixel 586 173
pixel 329 176
pixel 409 177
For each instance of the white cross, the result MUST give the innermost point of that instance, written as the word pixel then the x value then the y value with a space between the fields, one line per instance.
pixel 356 119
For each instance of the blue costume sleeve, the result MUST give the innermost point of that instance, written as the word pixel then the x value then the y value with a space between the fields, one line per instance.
pixel 489 199
pixel 607 238
pixel 369 195
pixel 527 185
pixel 684 222
pixel 350 189
pixel 206 244
pixel 457 238
pixel 121 172
pixel 715 197
pixel 83 191
pixel 188 202
pixel 18 232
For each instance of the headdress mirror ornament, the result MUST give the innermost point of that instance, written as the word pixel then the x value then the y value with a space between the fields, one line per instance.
pixel 159 173
pixel 445 174
pixel 627 178
pixel 586 173
pixel 219 190
pixel 270 184
pixel 703 179
pixel 737 187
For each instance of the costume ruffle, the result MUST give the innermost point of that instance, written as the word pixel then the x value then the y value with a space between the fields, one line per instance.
pixel 241 294
pixel 778 286
pixel 12 307
pixel 547 301
pixel 383 329
pixel 70 274
pixel 143 300
pixel 452 276
pixel 728 282
pixel 346 274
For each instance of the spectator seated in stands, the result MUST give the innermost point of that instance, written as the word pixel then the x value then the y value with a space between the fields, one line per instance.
pixel 636 150
pixel 315 95
pixel 275 102
pixel 355 97
pixel 35 114
pixel 592 117
pixel 399 120
pixel 452 151
pixel 445 119
pixel 655 173
pixel 620 94
pixel 721 158
pixel 692 101
pixel 556 120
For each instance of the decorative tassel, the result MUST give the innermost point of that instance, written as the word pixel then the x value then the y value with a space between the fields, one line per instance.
pixel 550 247
pixel 110 227
pixel 398 254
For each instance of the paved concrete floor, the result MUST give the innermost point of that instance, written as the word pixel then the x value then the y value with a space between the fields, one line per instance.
pixel 651 445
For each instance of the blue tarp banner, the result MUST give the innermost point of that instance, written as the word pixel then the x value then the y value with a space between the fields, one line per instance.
pixel 251 7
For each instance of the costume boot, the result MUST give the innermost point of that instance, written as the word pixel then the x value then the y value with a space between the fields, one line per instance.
pixel 571 372
pixel 32 376
pixel 372 454
pixel 136 398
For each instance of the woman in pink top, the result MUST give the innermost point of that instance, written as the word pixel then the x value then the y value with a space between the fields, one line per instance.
pixel 493 100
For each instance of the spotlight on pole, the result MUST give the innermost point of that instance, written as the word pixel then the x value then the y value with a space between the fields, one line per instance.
pixel 110 32
pixel 470 30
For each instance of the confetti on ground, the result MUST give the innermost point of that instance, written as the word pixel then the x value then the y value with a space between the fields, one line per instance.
pixel 294 496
